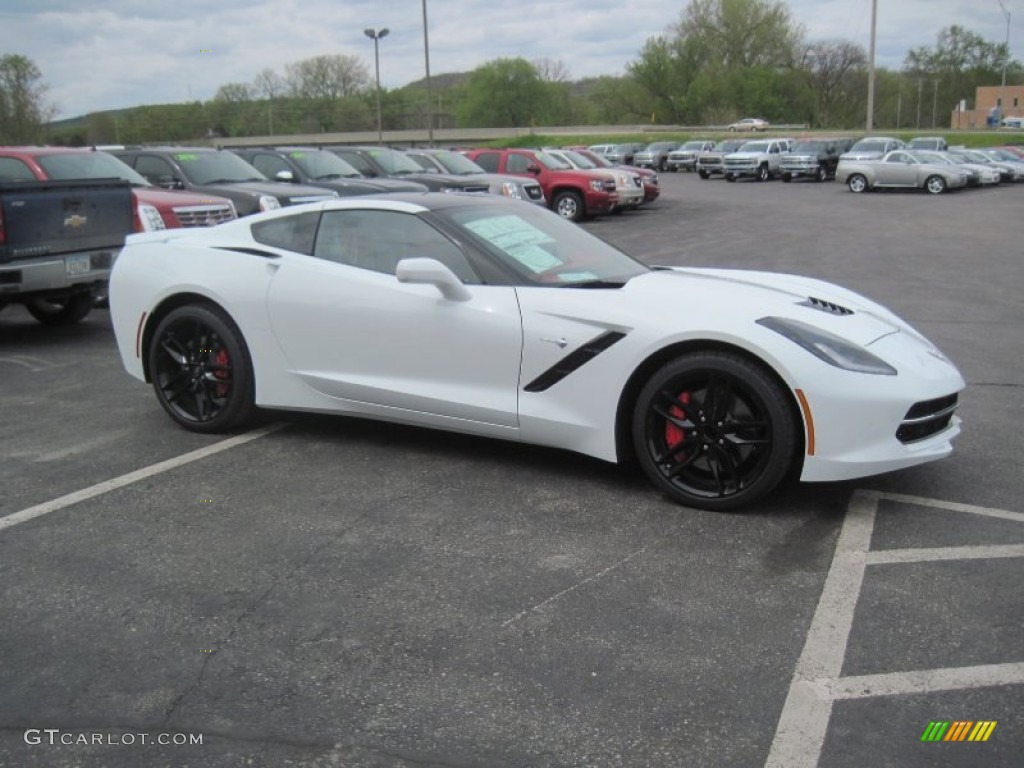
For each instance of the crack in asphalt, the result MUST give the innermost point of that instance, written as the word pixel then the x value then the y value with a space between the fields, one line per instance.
pixel 262 598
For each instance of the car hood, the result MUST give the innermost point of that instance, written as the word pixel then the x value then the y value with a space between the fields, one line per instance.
pixel 761 294
pixel 861 155
pixel 168 198
pixel 746 155
pixel 277 189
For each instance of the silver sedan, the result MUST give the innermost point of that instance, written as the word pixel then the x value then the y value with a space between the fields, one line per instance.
pixel 899 169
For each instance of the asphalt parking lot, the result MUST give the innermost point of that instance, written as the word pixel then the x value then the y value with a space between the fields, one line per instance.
pixel 328 592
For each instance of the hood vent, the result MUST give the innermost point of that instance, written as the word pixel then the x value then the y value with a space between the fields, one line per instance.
pixel 826 306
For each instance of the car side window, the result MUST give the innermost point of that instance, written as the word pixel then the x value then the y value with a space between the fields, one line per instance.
pixel 378 240
pixel 358 162
pixel 292 233
pixel 269 165
pixel 488 161
pixel 153 168
pixel 517 164
pixel 13 169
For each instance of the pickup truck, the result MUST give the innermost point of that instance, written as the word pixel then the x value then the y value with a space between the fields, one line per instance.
pixel 759 159
pixel 58 242
pixel 571 193
pixel 813 158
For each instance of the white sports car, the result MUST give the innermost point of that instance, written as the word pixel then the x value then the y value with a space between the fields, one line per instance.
pixel 483 315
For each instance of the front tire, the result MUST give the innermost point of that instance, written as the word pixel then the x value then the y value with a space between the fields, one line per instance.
pixel 935 185
pixel 730 177
pixel 704 175
pixel 65 311
pixel 822 173
pixel 857 183
pixel 763 174
pixel 569 205
pixel 714 430
pixel 201 369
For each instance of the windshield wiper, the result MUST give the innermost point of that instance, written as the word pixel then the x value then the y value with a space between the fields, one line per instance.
pixel 327 177
pixel 228 181
pixel 595 284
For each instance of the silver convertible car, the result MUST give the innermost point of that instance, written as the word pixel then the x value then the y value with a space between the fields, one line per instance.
pixel 899 168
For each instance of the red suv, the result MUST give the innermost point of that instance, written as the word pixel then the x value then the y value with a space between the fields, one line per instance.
pixel 573 194
pixel 155 208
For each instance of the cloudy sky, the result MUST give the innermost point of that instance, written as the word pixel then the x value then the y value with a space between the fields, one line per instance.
pixel 107 54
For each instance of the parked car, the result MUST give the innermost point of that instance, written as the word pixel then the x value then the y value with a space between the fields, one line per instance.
pixel 649 178
pixel 977 174
pixel 602 149
pixel 218 172
pixel 319 168
pixel 1004 158
pixel 384 162
pixel 479 314
pixel 710 163
pixel 899 169
pixel 655 155
pixel 572 193
pixel 155 208
pixel 685 156
pixel 1008 171
pixel 624 154
pixel 936 143
pixel 757 159
pixel 628 185
pixel 58 241
pixel 456 164
pixel 813 159
pixel 749 124
pixel 872 148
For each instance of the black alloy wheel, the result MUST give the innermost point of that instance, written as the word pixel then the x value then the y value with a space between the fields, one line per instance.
pixel 714 430
pixel 822 173
pixel 703 174
pixel 763 174
pixel 64 311
pixel 201 369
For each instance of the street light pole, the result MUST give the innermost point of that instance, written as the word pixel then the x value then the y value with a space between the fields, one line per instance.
pixel 1006 58
pixel 426 61
pixel 871 68
pixel 376 35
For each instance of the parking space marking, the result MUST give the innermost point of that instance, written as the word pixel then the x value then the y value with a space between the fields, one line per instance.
pixel 817 682
pixel 106 486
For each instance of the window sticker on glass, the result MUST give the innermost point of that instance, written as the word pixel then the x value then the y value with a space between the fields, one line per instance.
pixel 576 277
pixel 519 239
pixel 186 156
pixel 297 155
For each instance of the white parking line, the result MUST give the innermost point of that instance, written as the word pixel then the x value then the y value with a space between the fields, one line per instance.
pixel 106 486
pixel 817 681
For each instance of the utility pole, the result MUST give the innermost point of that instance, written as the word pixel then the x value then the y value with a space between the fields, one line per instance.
pixel 935 99
pixel 1006 58
pixel 919 83
pixel 426 61
pixel 376 35
pixel 871 67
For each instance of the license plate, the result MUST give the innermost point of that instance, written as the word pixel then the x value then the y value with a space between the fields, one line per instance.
pixel 77 265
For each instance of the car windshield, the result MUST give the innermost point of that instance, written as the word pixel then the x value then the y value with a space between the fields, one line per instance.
pixel 552 162
pixel 458 164
pixel 693 145
pixel 599 160
pixel 869 145
pixel 394 162
pixel 755 146
pixel 88 165
pixel 321 165
pixel 1000 154
pixel 808 146
pixel 660 146
pixel 216 168
pixel 729 146
pixel 543 248
pixel 578 160
pixel 933 157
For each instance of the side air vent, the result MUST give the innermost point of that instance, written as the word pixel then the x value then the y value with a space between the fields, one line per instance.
pixel 574 361
pixel 826 306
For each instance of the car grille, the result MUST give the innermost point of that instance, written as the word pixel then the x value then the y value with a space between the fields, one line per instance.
pixel 203 215
pixel 710 161
pixel 927 418
pixel 827 306
pixel 533 191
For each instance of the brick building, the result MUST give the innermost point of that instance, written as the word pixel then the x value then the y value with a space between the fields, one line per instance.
pixel 985 98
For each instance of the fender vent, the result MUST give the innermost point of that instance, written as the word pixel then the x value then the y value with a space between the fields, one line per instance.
pixel 574 360
pixel 826 306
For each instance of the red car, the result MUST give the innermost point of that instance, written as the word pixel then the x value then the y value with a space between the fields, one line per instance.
pixel 649 177
pixel 155 208
pixel 573 194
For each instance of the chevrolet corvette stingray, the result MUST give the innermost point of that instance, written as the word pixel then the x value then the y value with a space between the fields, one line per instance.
pixel 489 316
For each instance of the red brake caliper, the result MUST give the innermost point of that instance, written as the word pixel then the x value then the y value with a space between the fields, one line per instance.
pixel 675 435
pixel 221 359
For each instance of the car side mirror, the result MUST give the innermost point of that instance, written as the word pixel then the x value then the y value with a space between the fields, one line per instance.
pixel 422 271
pixel 285 176
pixel 534 169
pixel 170 182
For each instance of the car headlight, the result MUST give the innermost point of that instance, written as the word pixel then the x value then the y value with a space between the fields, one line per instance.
pixel 597 185
pixel 269 203
pixel 829 348
pixel 150 218
pixel 511 189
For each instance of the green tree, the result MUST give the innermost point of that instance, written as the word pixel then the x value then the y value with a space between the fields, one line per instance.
pixel 23 108
pixel 835 70
pixel 507 92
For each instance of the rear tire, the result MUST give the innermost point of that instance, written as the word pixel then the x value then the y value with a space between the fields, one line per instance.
pixel 66 311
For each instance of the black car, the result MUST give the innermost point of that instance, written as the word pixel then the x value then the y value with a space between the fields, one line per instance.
pixel 218 172
pixel 319 168
pixel 378 162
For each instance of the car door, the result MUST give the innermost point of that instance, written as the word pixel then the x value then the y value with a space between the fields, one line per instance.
pixel 351 330
pixel 897 170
